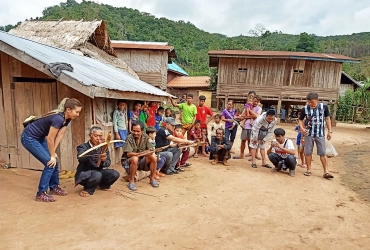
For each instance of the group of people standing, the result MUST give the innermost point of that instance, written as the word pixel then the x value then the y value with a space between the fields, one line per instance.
pixel 153 141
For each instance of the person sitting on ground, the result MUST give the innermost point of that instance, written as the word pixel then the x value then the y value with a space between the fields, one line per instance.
pixel 281 153
pixel 216 125
pixel 220 148
pixel 262 130
pixel 300 146
pixel 195 135
pixel 138 154
pixel 88 174
pixel 159 117
pixel 237 117
pixel 152 132
pixel 185 151
pixel 172 153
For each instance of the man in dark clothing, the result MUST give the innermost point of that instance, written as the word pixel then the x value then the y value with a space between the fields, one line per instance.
pixel 316 116
pixel 172 154
pixel 220 148
pixel 88 174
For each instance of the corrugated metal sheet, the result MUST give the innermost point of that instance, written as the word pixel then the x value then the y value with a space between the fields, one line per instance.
pixel 281 54
pixel 87 71
pixel 189 82
pixel 176 68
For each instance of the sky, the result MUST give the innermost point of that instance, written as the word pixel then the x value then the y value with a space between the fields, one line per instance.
pixel 231 17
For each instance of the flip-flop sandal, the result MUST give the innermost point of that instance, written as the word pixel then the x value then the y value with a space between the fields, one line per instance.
pixel 258 158
pixel 266 166
pixel 132 186
pixel 237 157
pixel 188 164
pixel 304 166
pixel 154 184
pixel 328 176
pixel 180 169
pixel 254 165
pixel 307 173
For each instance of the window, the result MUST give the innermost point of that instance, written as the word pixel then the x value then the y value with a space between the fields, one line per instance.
pixel 242 75
pixel 296 71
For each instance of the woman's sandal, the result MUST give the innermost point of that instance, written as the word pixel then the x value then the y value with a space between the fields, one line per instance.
pixel 328 176
pixel 84 193
pixel 307 173
pixel 238 157
pixel 188 164
pixel 266 166
pixel 254 165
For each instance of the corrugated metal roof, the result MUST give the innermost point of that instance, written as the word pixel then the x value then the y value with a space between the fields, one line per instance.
pixel 141 45
pixel 189 82
pixel 87 71
pixel 281 54
pixel 176 68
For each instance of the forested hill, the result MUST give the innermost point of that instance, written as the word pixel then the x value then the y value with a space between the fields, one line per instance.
pixel 193 44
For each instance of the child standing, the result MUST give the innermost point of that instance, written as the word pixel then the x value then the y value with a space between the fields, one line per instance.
pixel 205 146
pixel 159 117
pixel 195 135
pixel 143 117
pixel 300 144
pixel 248 107
pixel 152 110
pixel 185 151
pixel 120 123
pixel 216 125
pixel 134 114
pixel 237 117
pixel 152 132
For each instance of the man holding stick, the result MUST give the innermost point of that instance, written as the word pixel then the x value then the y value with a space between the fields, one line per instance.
pixel 138 154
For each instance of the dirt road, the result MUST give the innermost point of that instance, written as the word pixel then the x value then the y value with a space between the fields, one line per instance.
pixel 207 207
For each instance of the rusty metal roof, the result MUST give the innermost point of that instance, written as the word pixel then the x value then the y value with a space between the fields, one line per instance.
pixel 189 82
pixel 278 54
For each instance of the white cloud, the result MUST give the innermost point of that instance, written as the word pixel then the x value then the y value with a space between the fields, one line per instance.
pixel 232 17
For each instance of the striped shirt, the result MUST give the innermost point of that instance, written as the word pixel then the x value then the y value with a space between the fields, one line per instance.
pixel 315 119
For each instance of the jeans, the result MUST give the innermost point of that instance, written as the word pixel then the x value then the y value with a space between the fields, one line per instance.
pixel 103 178
pixel 172 156
pixel 231 134
pixel 39 149
pixel 290 161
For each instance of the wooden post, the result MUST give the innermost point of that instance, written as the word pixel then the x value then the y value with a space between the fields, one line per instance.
pixel 217 103
pixel 334 116
pixel 278 110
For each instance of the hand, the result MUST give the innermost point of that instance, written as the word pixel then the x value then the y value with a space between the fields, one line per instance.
pixel 55 155
pixel 52 163
pixel 262 142
pixel 255 141
pixel 221 146
pixel 329 136
pixel 103 157
pixel 101 140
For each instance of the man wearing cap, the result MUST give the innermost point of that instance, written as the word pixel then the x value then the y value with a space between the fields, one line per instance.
pixel 262 130
pixel 172 154
pixel 202 112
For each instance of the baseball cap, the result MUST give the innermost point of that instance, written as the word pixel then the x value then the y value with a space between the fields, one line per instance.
pixel 171 121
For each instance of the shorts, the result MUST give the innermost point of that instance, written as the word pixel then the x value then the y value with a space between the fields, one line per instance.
pixel 123 135
pixel 258 145
pixel 246 134
pixel 141 165
pixel 320 145
pixel 185 128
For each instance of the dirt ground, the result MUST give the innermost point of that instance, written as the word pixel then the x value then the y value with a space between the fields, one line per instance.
pixel 206 207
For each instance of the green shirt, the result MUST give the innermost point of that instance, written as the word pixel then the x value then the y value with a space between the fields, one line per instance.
pixel 188 112
pixel 131 145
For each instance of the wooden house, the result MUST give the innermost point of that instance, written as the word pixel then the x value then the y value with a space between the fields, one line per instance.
pixel 28 88
pixel 196 85
pixel 278 76
pixel 148 59
pixel 347 83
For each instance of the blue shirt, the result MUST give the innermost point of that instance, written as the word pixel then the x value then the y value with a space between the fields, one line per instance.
pixel 299 136
pixel 158 121
pixel 39 129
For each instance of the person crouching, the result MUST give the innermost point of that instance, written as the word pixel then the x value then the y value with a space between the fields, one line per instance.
pixel 220 148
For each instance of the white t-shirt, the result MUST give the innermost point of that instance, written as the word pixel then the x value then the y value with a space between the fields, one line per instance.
pixel 216 126
pixel 288 145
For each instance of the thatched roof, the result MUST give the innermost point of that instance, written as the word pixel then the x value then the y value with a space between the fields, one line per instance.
pixel 89 38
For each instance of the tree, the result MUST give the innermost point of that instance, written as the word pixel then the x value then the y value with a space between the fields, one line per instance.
pixel 261 33
pixel 306 43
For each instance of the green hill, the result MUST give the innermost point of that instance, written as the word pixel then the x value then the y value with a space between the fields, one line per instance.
pixel 193 44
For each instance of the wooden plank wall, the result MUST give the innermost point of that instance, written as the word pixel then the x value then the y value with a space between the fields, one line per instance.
pixel 3 139
pixel 154 79
pixel 268 77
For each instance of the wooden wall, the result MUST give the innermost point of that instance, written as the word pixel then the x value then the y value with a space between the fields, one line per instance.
pixel 18 100
pixel 278 77
pixel 195 91
pixel 150 65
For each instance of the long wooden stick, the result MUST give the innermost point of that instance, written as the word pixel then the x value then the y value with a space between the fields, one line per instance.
pixel 109 137
pixel 98 146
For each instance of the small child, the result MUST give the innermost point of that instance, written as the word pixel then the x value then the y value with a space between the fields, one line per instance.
pixel 168 114
pixel 216 125
pixel 133 115
pixel 248 107
pixel 237 117
pixel 300 144
pixel 159 117
pixel 205 146
pixel 195 135
pixel 161 160
pixel 185 151
pixel 143 117
pixel 120 123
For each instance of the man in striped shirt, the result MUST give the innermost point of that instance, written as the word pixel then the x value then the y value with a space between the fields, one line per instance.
pixel 313 128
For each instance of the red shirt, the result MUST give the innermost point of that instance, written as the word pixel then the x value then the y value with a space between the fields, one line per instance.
pixel 151 115
pixel 202 113
pixel 195 134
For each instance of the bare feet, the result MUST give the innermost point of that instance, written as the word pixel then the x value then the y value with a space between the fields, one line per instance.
pixel 83 193
pixel 204 154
